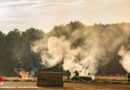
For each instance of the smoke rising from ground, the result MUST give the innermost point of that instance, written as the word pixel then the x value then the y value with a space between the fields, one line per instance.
pixel 85 50
pixel 124 52
pixel 57 48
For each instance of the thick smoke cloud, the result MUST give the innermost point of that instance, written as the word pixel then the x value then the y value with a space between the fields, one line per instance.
pixel 57 48
pixel 124 52
pixel 85 50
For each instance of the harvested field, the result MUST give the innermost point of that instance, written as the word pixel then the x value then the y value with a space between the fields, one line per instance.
pixel 100 83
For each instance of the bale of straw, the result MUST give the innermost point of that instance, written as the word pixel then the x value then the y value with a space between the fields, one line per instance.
pixel 50 79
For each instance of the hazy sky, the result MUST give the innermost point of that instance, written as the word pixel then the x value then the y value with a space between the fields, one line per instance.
pixel 44 14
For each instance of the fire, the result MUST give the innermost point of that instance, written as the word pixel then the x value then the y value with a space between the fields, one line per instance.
pixel 24 75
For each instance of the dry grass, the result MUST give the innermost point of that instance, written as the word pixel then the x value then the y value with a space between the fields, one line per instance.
pixel 18 79
pixel 112 78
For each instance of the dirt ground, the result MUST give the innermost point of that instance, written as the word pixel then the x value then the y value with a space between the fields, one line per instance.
pixel 71 86
pixel 100 83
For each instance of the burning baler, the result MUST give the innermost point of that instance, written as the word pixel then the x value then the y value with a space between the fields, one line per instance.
pixel 76 77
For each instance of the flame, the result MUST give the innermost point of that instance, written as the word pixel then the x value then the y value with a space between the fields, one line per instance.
pixel 24 75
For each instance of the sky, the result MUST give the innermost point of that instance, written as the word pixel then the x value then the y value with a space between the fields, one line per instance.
pixel 45 14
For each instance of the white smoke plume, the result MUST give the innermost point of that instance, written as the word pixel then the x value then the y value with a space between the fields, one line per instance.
pixel 57 48
pixel 125 58
pixel 85 51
